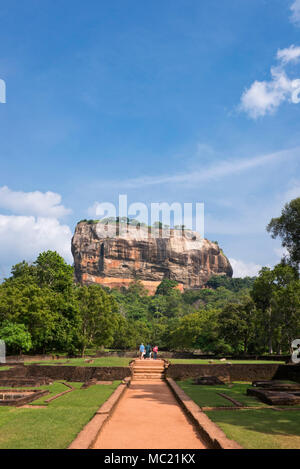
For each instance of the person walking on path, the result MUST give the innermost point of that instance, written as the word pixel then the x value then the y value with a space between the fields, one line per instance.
pixel 155 351
pixel 142 350
pixel 148 351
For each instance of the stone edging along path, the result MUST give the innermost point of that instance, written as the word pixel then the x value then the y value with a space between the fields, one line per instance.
pixel 87 437
pixel 210 432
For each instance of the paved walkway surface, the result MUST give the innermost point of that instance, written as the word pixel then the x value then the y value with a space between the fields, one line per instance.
pixel 149 417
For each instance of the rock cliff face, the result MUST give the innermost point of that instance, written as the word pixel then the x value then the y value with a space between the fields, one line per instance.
pixel 115 260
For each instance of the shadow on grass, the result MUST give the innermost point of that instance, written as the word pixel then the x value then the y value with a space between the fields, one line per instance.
pixel 207 396
pixel 265 421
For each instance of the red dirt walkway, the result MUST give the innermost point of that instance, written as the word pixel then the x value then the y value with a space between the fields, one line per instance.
pixel 149 417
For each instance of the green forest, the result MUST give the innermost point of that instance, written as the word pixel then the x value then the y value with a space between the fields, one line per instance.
pixel 42 309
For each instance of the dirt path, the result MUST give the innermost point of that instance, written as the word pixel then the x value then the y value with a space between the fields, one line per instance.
pixel 149 417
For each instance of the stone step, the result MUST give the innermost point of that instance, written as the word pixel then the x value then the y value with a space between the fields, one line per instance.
pixel 152 381
pixel 158 365
pixel 153 362
pixel 156 370
pixel 148 380
pixel 148 376
pixel 148 368
pixel 146 363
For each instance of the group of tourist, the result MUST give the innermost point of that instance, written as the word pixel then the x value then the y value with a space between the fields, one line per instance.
pixel 146 352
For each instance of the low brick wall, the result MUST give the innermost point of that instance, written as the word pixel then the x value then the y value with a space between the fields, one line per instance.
pixel 78 373
pixel 24 382
pixel 28 396
pixel 67 373
pixel 234 372
pixel 18 371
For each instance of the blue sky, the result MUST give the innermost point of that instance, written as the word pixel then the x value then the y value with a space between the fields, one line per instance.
pixel 182 100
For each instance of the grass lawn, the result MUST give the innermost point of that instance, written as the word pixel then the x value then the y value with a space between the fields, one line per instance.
pixel 56 426
pixel 207 396
pixel 262 428
pixel 103 361
pixel 199 361
pixel 4 368
pixel 122 361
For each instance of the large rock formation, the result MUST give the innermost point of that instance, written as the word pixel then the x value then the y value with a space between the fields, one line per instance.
pixel 115 260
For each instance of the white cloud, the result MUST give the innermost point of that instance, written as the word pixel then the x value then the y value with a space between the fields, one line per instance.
pixel 243 269
pixel 32 227
pixel 264 97
pixel 47 204
pixel 290 54
pixel 295 8
pixel 24 237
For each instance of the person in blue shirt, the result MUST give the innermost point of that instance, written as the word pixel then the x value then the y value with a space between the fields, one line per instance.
pixel 142 350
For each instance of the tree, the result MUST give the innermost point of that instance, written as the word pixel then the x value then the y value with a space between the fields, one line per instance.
pixel 272 292
pixel 23 271
pixel 53 272
pixel 208 298
pixel 134 301
pixel 41 296
pixel 137 289
pixel 237 324
pixel 170 304
pixel 159 331
pixel 286 302
pixel 16 337
pixel 50 317
pixel 196 331
pixel 97 312
pixel 233 284
pixel 287 227
pixel 166 286
pixel 124 334
pixel 262 294
pixel 187 332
